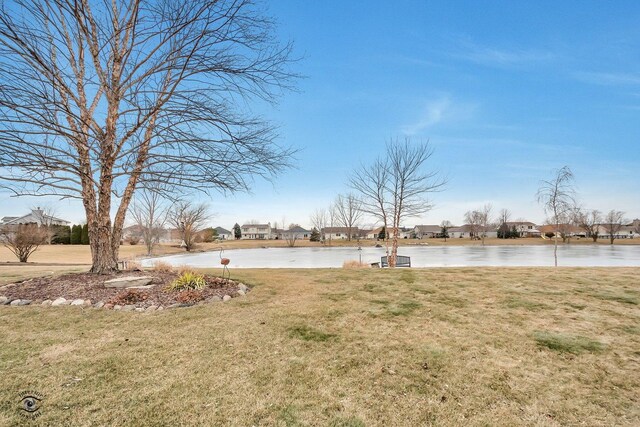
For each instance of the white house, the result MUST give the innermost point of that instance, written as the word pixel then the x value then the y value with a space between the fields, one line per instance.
pixel 223 233
pixel 257 232
pixel 524 228
pixel 36 216
pixel 339 233
pixel 296 233
pixel 426 231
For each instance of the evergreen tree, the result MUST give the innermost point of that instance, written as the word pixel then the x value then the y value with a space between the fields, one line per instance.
pixel 383 233
pixel 84 237
pixel 62 235
pixel 76 234
pixel 315 235
pixel 237 231
pixel 514 233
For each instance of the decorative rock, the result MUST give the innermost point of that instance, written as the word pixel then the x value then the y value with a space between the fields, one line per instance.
pixel 108 306
pixel 141 287
pixel 151 308
pixel 139 309
pixel 46 302
pixel 117 307
pixel 226 298
pixel 241 292
pixel 15 302
pixel 59 301
pixel 25 302
pixel 99 304
pixel 87 303
pixel 160 308
pixel 3 300
pixel 129 307
pixel 77 302
pixel 128 282
pixel 215 298
pixel 244 288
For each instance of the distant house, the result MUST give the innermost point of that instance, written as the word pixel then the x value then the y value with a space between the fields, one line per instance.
pixel 257 232
pixel 568 230
pixel 297 233
pixel 223 233
pixel 426 231
pixel 524 228
pixel 340 233
pixel 373 234
pixel 628 231
pixel 36 216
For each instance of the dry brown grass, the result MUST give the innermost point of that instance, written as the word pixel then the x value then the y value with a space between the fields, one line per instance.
pixel 354 264
pixel 162 267
pixel 486 346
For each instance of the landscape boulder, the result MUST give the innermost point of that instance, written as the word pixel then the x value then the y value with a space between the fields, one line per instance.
pixel 59 301
pixel 128 282
pixel 77 302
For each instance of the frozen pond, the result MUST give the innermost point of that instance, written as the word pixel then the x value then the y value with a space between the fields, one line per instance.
pixel 421 256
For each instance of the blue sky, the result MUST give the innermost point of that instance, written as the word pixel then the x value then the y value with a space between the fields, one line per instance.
pixel 504 91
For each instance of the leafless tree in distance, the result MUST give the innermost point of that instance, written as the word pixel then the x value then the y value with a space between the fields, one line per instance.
pixel 320 220
pixel 589 220
pixel 348 211
pixel 23 239
pixel 188 219
pixel 473 220
pixel 99 99
pixel 149 214
pixel 612 223
pixel 395 186
pixel 557 197
pixel 46 218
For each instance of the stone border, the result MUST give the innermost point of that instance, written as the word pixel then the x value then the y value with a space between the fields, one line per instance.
pixel 59 302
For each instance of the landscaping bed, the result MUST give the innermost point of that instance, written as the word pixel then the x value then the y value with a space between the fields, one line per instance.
pixel 148 290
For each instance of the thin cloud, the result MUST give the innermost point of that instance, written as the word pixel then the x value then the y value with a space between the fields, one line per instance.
pixel 609 78
pixel 491 56
pixel 438 111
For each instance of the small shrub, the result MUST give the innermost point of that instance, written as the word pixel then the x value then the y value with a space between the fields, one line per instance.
pixel 353 264
pixel 189 297
pixel 129 297
pixel 162 267
pixel 188 281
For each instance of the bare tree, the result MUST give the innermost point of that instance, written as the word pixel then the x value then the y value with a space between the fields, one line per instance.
pixel 395 187
pixel 45 216
pixel 557 197
pixel 188 220
pixel 589 221
pixel 23 239
pixel 149 213
pixel 99 99
pixel 612 223
pixel 348 211
pixel 291 235
pixel 504 216
pixel 477 221
pixel 320 220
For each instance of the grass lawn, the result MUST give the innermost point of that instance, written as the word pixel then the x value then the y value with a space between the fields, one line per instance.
pixel 343 348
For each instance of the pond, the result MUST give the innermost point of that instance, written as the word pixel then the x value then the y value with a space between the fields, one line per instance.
pixel 421 256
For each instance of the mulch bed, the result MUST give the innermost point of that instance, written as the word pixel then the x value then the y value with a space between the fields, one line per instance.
pixel 89 286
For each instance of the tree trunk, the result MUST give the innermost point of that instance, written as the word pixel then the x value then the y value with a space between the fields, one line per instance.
pixel 555 249
pixel 104 251
pixel 391 260
pixel 595 238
